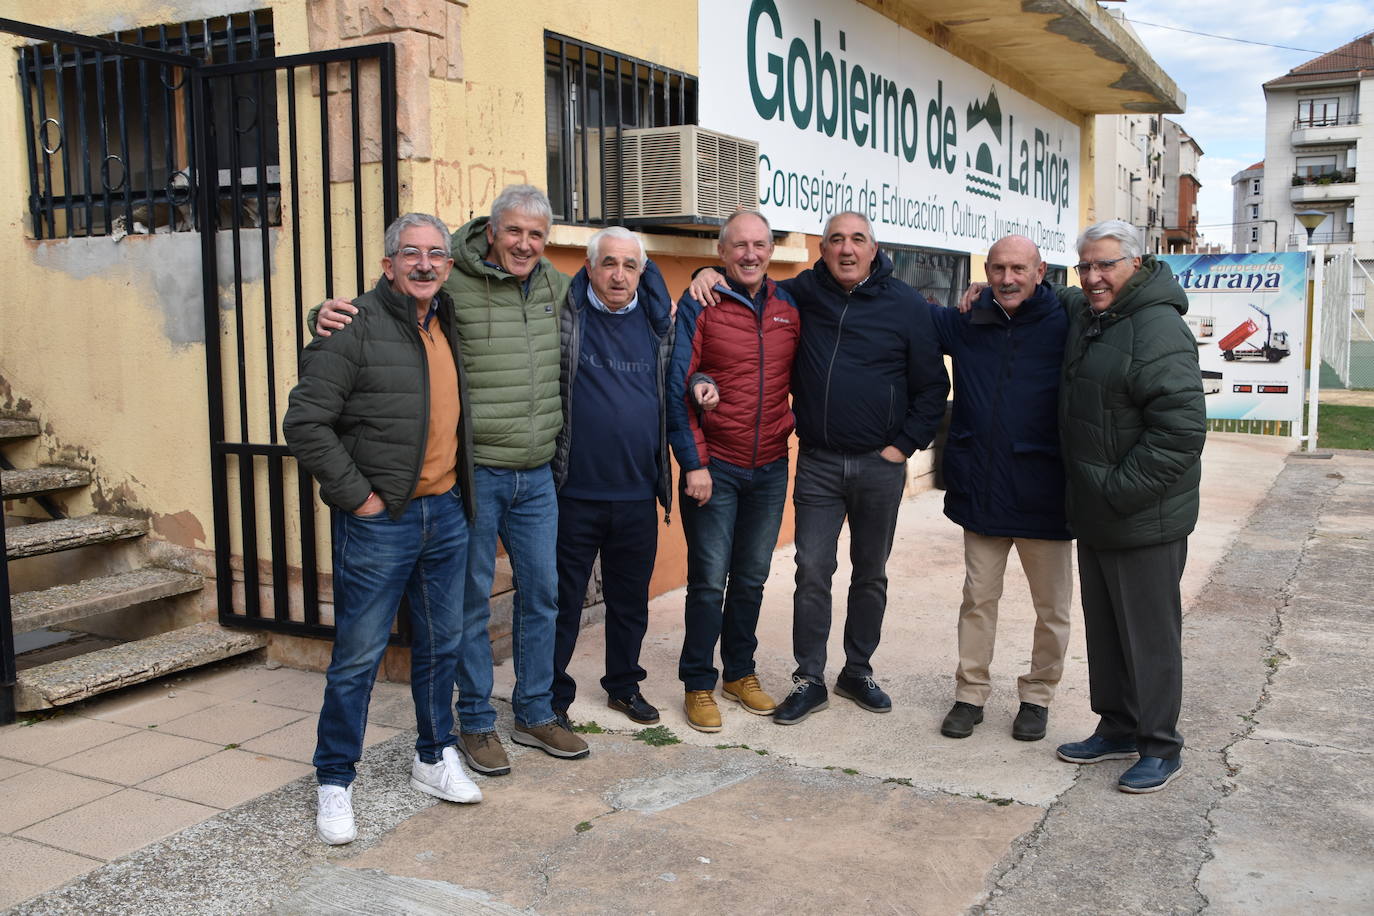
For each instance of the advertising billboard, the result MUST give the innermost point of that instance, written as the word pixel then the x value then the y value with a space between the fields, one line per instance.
pixel 1249 315
pixel 853 112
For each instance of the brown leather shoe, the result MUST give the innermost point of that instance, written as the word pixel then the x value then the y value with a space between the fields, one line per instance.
pixel 747 693
pixel 555 739
pixel 483 752
pixel 702 712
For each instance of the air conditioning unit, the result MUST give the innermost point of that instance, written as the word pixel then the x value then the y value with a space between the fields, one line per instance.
pixel 686 177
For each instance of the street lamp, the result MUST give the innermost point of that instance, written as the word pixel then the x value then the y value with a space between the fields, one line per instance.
pixel 1310 220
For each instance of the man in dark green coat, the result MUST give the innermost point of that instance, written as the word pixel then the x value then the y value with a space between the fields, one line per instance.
pixel 506 296
pixel 1132 424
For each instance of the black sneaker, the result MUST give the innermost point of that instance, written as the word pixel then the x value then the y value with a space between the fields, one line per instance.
pixel 636 708
pixel 1030 722
pixel 804 699
pixel 960 719
pixel 863 691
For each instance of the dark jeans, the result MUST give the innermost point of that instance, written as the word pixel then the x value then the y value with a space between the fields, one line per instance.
pixel 830 486
pixel 730 543
pixel 422 555
pixel 626 536
pixel 521 507
pixel 1133 623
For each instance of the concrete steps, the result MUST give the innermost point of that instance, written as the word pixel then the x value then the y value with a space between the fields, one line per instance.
pixel 68 533
pixel 62 607
pixel 73 679
pixel 18 428
pixel 50 607
pixel 21 482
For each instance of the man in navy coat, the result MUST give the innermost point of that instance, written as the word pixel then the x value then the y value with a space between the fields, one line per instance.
pixel 1004 484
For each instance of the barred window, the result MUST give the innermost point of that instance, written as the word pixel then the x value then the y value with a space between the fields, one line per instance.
pixel 110 137
pixel 592 94
pixel 940 276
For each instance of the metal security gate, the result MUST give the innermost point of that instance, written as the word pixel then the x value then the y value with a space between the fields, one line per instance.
pixel 303 153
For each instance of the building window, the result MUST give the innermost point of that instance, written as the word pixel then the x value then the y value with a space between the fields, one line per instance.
pixel 591 93
pixel 1254 233
pixel 1254 186
pixel 940 276
pixel 1318 112
pixel 110 137
pixel 1254 211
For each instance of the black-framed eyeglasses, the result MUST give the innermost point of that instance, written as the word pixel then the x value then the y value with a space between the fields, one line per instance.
pixel 1102 266
pixel 411 255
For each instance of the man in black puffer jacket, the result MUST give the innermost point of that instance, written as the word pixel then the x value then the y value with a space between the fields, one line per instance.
pixel 1132 423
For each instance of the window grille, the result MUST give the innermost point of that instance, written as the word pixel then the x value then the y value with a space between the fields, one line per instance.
pixel 590 93
pixel 940 276
pixel 110 139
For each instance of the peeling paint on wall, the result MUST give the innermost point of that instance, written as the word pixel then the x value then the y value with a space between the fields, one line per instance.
pixel 168 263
pixel 181 528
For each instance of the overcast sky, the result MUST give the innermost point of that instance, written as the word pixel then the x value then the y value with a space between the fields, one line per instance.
pixel 1221 79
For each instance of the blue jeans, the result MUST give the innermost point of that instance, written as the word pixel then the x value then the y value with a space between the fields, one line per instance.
pixel 730 543
pixel 422 555
pixel 522 508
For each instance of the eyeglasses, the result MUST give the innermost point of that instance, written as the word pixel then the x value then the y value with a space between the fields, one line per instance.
pixel 411 255
pixel 1101 266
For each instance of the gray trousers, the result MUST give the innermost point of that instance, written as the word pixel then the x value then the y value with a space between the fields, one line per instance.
pixel 831 486
pixel 1133 622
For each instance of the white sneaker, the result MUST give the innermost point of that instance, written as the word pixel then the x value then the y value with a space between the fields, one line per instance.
pixel 446 779
pixel 334 815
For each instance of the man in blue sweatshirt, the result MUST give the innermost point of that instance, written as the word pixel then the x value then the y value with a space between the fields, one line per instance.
pixel 611 461
pixel 1004 484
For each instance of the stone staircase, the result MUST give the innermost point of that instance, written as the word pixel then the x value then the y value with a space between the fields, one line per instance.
pixel 68 680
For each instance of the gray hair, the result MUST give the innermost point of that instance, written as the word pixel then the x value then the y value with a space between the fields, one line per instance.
pixel 742 212
pixel 392 241
pixel 614 232
pixel 1119 229
pixel 522 198
pixel 863 216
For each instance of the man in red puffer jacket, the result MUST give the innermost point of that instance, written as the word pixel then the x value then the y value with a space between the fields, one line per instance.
pixel 734 464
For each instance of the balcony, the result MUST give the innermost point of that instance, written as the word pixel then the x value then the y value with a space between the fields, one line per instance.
pixel 1342 129
pixel 1312 187
pixel 1297 241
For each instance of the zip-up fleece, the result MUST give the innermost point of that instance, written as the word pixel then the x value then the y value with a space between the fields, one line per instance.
pixel 747 347
pixel 358 419
pixel 869 372
pixel 657 302
pixel 510 351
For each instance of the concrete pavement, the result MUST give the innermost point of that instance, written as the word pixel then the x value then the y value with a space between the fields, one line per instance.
pixel 850 810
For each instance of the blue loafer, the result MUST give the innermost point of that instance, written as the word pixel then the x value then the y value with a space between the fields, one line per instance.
pixel 1097 748
pixel 1150 774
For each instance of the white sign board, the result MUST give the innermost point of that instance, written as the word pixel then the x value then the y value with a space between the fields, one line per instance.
pixel 1249 315
pixel 852 112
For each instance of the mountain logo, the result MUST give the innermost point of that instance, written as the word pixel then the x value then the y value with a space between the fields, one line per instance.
pixel 984 119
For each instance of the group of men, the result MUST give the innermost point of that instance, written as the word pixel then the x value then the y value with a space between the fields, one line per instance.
pixel 477 392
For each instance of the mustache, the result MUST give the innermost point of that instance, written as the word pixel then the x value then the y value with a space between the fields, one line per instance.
pixel 422 276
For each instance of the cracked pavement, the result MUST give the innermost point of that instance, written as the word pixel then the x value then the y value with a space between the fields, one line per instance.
pixel 854 811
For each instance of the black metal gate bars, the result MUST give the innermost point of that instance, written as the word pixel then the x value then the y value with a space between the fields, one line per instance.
pixel 287 168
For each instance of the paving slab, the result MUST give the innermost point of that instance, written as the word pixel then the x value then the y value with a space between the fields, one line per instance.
pixel 32 867
pixel 135 757
pixel 39 794
pixel 232 723
pixel 229 778
pixel 117 824
pixel 40 742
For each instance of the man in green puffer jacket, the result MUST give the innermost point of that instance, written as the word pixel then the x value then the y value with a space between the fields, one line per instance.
pixel 506 299
pixel 1132 424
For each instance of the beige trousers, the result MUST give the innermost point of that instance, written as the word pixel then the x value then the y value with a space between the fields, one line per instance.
pixel 1049 572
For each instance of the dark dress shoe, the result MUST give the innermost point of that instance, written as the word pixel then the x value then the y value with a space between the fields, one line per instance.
pixel 960 719
pixel 863 691
pixel 1030 722
pixel 637 708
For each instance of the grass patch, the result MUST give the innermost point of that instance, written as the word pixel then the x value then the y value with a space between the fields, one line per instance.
pixel 588 728
pixel 657 736
pixel 583 827
pixel 898 780
pixel 993 800
pixel 1345 426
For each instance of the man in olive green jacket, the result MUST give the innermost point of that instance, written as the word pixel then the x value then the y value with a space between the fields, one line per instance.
pixel 506 299
pixel 1132 423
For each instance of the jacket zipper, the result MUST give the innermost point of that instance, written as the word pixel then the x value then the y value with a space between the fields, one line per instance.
pixel 758 416
pixel 830 371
